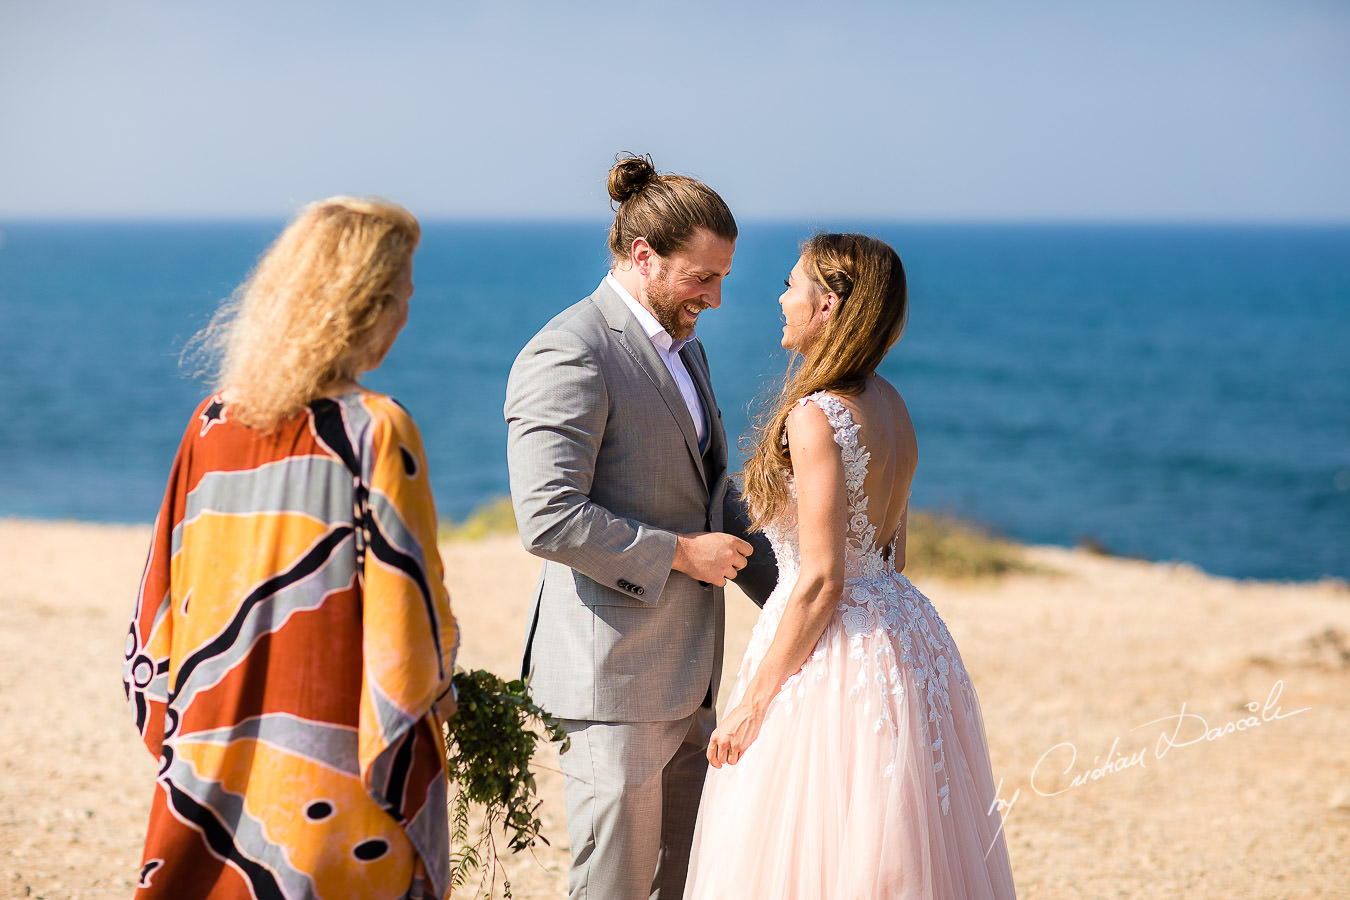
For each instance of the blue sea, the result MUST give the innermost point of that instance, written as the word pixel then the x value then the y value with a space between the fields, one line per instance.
pixel 1172 393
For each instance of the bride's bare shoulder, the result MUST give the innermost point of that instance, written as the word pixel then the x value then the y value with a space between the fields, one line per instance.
pixel 880 398
pixel 883 412
pixel 884 388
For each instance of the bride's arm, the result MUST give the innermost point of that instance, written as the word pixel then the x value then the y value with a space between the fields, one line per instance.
pixel 822 519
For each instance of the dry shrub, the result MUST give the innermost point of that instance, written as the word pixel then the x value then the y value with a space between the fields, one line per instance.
pixel 943 546
pixel 492 518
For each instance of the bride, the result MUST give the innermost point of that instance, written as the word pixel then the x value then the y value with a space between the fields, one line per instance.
pixel 853 762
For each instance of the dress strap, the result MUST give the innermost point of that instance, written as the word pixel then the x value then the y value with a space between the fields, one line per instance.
pixel 861 532
pixel 840 418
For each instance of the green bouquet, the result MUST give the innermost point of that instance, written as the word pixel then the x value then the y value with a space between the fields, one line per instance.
pixel 489 743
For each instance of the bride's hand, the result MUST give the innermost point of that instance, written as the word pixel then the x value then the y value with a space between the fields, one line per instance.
pixel 734 736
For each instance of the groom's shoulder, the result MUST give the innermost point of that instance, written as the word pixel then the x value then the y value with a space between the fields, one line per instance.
pixel 591 321
pixel 581 318
pixel 580 332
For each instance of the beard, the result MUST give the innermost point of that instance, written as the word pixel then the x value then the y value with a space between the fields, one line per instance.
pixel 665 308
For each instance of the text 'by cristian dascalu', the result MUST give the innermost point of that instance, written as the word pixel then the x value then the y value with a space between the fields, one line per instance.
pixel 1181 729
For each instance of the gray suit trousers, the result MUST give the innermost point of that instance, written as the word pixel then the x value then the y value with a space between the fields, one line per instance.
pixel 632 791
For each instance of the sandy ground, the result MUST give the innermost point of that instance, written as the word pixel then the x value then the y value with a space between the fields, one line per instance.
pixel 1157 732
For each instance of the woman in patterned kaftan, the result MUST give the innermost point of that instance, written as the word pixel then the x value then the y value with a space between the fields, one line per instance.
pixel 290 656
pixel 852 763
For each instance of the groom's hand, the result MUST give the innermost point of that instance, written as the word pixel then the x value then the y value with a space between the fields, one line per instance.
pixel 710 556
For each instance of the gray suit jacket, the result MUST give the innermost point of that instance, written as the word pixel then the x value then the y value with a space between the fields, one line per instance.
pixel 605 470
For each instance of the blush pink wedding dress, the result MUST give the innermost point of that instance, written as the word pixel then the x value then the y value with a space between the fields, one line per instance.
pixel 870 777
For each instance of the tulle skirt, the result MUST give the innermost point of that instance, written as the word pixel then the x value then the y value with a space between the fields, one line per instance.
pixel 870 777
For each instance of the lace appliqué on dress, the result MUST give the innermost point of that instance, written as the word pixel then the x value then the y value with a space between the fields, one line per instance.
pixel 876 597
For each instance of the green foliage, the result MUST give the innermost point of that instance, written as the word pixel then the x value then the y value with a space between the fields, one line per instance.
pixel 494 517
pixel 946 547
pixel 489 743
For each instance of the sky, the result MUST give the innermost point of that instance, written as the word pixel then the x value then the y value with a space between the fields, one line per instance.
pixel 1150 110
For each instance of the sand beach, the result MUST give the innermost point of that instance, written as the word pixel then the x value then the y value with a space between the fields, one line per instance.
pixel 1156 731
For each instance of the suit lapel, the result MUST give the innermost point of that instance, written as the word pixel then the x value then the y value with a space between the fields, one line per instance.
pixel 697 364
pixel 635 341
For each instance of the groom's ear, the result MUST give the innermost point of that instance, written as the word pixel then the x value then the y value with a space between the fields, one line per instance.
pixel 642 256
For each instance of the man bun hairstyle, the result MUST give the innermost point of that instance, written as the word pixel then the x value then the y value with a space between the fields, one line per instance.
pixel 629 175
pixel 663 209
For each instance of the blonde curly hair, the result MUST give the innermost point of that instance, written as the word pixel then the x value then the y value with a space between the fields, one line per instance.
pixel 301 321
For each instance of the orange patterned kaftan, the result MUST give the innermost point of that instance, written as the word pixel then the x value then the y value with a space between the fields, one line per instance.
pixel 285 656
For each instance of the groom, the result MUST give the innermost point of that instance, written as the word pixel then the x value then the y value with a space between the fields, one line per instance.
pixel 618 464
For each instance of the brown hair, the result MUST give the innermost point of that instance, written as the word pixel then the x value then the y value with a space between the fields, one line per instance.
pixel 302 319
pixel 869 317
pixel 664 209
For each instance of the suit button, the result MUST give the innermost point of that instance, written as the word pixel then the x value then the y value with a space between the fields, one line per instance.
pixel 639 590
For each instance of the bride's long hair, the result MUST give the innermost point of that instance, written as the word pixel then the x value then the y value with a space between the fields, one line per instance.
pixel 869 317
